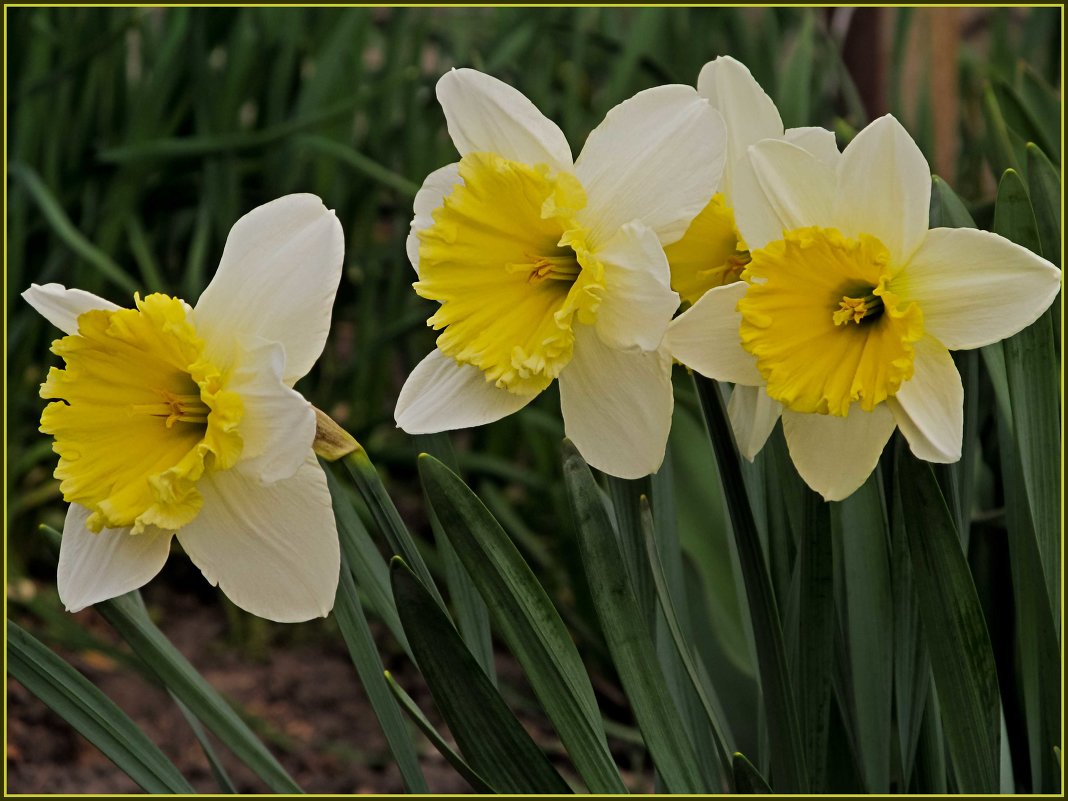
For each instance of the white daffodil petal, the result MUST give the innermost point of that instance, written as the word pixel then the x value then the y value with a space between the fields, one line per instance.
pixel 98 567
pixel 617 405
pixel 975 287
pixel 884 188
pixel 835 455
pixel 638 300
pixel 429 197
pixel 443 395
pixel 748 112
pixel 798 186
pixel 277 280
pixel 705 337
pixel 278 425
pixel 929 407
pixel 820 142
pixel 62 306
pixel 485 115
pixel 755 217
pixel 753 414
pixel 272 549
pixel 657 158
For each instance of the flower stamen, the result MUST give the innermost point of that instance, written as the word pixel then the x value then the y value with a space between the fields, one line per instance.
pixel 556 268
pixel 176 408
pixel 856 309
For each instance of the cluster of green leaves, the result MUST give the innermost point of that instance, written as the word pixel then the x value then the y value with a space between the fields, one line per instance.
pixel 906 639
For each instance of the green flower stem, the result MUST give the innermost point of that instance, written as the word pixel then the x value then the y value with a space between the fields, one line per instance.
pixel 387 518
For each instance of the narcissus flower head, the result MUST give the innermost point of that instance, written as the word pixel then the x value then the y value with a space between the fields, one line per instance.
pixel 171 420
pixel 850 306
pixel 547 268
pixel 713 251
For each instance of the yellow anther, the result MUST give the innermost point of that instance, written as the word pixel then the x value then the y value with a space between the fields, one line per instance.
pixel 856 309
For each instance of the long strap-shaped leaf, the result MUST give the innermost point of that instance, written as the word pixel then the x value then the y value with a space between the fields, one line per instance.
pixel 128 616
pixel 218 770
pixel 369 570
pixel 490 738
pixel 784 731
pixel 387 518
pixel 962 659
pixel 1031 365
pixel 627 634
pixel 357 634
pixel 527 621
pixel 426 727
pixel 95 716
pixel 468 608
pixel 860 525
pixel 747 778
pixel 1031 467
pixel 684 649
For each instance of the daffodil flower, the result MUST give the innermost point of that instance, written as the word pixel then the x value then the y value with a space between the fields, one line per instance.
pixel 171 420
pixel 713 252
pixel 851 306
pixel 551 268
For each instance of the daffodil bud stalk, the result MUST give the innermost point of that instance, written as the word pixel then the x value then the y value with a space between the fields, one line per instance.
pixel 332 442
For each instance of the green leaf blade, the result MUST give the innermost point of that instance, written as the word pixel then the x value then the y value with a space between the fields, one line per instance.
pixel 629 640
pixel 955 630
pixel 95 716
pixel 493 742
pixel 527 621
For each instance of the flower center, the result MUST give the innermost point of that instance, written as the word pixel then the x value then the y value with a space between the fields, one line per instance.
pixel 823 322
pixel 856 309
pixel 508 262
pixel 711 253
pixel 140 415
pixel 176 409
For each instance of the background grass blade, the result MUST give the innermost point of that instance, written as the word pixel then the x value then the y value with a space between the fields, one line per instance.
pixel 362 649
pixel 626 633
pixel 95 716
pixel 493 742
pixel 525 618
pixel 954 628
pixel 789 772
pixel 65 230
